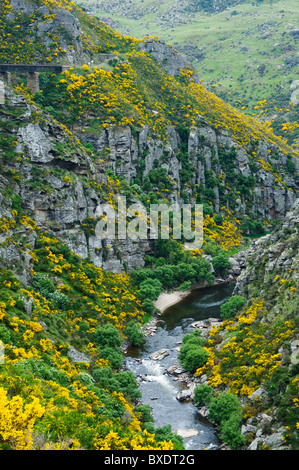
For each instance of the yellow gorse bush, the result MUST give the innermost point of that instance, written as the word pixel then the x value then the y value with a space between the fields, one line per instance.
pixel 17 420
pixel 250 355
pixel 144 441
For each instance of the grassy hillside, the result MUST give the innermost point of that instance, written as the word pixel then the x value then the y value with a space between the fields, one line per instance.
pixel 246 53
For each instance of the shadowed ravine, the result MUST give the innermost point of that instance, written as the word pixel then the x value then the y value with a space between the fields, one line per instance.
pixel 158 388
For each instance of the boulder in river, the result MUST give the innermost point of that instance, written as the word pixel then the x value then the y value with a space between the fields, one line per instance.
pixel 159 355
pixel 175 369
pixel 186 432
pixel 184 395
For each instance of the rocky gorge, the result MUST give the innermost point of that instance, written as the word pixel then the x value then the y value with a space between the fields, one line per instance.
pixel 138 124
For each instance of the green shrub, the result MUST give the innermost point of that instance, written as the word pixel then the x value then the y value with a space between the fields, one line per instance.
pixel 165 274
pixel 210 248
pixel 108 340
pixel 134 334
pixel 232 306
pixel 59 299
pixel 203 395
pixel 194 338
pixel 218 219
pixel 207 209
pixel 148 306
pixel 5 336
pixel 222 406
pixel 16 203
pixel 146 418
pixel 252 227
pixel 43 371
pixel 150 289
pixel 107 335
pixel 105 377
pixel 83 328
pixel 165 434
pixel 85 378
pixel 185 272
pixel 221 263
pixel 122 382
pixel 128 384
pixel 43 285
pixel 169 249
pixel 114 356
pixel 48 290
pixel 192 356
pixel 230 432
pixel 141 274
pixel 185 286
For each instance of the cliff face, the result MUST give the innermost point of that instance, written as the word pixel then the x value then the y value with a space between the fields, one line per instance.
pixel 212 163
pixel 59 185
pixel 60 178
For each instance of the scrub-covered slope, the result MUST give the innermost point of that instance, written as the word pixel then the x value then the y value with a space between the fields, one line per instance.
pixel 63 320
pixel 253 355
pixel 121 121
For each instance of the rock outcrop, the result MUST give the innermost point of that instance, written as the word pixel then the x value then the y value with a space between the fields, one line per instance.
pixel 170 59
pixel 62 20
pixel 276 252
pixel 207 156
pixel 57 202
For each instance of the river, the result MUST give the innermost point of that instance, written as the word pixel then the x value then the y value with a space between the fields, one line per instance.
pixel 158 388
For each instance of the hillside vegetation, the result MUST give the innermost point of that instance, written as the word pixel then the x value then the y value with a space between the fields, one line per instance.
pixel 71 302
pixel 254 353
pixel 64 322
pixel 259 69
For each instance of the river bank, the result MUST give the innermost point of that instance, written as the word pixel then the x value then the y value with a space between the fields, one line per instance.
pixel 169 299
pixel 166 300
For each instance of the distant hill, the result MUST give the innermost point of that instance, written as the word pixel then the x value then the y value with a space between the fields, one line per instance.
pixel 246 52
pixel 216 5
